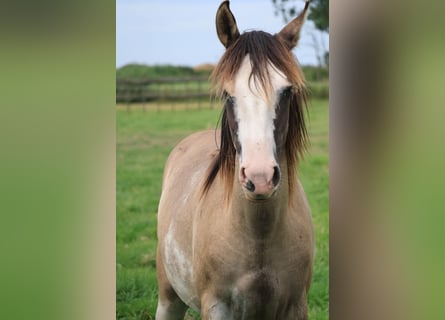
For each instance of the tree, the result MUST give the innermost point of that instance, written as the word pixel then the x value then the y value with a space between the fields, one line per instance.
pixel 319 12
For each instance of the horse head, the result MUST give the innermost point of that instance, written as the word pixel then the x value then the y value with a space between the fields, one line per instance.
pixel 264 91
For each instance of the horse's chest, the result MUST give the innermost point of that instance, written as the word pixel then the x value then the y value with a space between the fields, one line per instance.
pixel 255 283
pixel 258 294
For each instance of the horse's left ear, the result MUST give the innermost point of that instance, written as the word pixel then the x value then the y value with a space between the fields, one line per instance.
pixel 226 25
pixel 290 34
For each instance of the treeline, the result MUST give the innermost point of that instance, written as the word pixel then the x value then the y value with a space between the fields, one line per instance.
pixel 141 71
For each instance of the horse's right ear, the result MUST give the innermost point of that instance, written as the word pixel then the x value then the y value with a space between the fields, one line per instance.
pixel 226 25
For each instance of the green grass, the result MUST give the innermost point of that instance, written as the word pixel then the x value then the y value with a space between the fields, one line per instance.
pixel 144 140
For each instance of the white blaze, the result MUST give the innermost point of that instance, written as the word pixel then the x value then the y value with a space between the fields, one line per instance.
pixel 255 117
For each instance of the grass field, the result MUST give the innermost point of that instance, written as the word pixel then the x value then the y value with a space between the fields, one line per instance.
pixel 144 140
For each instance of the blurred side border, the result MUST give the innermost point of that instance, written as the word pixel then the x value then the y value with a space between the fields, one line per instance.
pixel 386 169
pixel 57 163
pixel 58 159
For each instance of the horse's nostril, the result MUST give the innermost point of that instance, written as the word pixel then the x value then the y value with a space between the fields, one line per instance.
pixel 250 186
pixel 276 175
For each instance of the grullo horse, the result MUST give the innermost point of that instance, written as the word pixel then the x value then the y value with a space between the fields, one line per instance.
pixel 234 226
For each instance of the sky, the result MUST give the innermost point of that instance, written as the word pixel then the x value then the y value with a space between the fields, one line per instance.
pixel 183 32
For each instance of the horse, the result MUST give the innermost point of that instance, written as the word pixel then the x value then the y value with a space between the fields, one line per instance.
pixel 235 234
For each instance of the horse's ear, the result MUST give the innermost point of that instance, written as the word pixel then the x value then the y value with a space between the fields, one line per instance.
pixel 226 25
pixel 290 34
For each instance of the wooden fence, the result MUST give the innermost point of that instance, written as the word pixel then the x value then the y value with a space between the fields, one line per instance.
pixel 159 91
pixel 181 92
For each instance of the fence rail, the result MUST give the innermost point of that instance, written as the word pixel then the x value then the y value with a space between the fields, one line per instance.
pixel 162 89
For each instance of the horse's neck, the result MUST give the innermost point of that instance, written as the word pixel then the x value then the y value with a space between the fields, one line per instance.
pixel 262 219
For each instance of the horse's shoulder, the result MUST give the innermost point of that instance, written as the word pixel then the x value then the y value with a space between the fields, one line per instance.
pixel 194 144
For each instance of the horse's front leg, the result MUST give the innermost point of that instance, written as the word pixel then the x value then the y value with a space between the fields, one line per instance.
pixel 170 306
pixel 171 310
pixel 214 309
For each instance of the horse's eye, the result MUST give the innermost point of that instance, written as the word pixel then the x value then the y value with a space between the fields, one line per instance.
pixel 285 93
pixel 228 97
pixel 287 90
